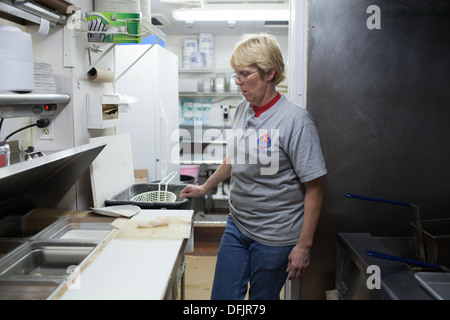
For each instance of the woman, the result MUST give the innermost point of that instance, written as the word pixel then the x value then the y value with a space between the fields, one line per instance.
pixel 274 152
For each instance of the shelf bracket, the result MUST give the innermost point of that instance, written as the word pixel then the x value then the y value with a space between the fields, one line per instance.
pixel 135 61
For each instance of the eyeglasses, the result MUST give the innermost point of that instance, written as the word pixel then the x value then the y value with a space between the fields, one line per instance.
pixel 243 77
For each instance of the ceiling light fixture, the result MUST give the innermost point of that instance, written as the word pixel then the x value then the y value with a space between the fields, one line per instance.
pixel 224 13
pixel 234 15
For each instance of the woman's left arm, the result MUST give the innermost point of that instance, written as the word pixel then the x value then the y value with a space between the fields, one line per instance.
pixel 300 255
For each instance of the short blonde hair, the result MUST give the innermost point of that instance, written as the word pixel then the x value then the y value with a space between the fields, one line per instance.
pixel 261 51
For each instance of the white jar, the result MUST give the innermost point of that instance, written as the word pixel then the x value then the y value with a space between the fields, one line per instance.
pixel 16 60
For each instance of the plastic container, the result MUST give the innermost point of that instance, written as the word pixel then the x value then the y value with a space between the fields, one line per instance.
pixel 4 154
pixel 207 47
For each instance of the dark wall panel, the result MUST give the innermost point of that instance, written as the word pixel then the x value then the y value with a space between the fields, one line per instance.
pixel 381 102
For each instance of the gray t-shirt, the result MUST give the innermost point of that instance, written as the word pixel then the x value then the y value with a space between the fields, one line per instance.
pixel 271 156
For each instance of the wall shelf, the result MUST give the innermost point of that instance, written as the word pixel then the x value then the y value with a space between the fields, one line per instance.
pixel 210 94
pixel 31 104
pixel 31 12
pixel 204 70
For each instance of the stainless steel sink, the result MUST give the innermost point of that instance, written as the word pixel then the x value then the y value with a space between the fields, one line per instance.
pixel 18 227
pixel 45 259
pixel 28 290
pixel 79 229
pixel 36 267
pixel 9 245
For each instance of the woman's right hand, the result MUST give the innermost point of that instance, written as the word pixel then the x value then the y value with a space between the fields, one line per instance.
pixel 192 191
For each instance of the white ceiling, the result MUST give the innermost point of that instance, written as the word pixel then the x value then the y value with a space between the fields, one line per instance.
pixel 162 12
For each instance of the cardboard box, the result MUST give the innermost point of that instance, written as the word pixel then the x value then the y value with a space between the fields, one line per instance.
pixel 141 176
pixel 114 27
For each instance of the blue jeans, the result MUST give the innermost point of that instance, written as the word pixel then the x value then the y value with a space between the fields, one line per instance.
pixel 241 260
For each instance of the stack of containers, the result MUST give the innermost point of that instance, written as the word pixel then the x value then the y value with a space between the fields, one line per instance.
pixel 146 10
pixel 206 46
pixel 190 46
pixel 44 81
pixel 117 5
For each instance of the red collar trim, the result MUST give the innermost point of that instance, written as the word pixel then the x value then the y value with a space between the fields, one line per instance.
pixel 260 110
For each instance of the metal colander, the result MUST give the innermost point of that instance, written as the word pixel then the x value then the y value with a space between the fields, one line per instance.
pixel 158 196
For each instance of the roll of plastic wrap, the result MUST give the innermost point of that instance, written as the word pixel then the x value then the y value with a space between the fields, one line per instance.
pixel 100 75
pixel 40 31
pixel 117 5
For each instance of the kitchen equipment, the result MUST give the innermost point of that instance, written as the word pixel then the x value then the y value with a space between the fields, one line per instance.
pixel 158 196
pixel 418 235
pixel 16 60
pixel 436 240
pixel 17 227
pixel 386 256
pixel 79 229
pixel 397 280
pixel 153 122
pixel 41 259
pixel 125 196
pixel 20 289
pixel 436 283
pixel 9 245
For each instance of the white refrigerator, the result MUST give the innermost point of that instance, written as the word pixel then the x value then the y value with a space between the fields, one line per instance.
pixel 153 120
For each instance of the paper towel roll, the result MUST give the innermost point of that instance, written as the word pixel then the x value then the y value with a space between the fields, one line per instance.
pixel 40 31
pixel 100 75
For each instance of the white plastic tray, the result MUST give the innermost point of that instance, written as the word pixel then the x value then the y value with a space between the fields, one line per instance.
pixel 118 211
pixel 436 283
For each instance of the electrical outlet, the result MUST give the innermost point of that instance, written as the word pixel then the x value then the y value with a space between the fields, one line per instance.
pixel 47 133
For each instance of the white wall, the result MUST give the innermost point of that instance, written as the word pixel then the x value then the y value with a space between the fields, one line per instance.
pixel 69 122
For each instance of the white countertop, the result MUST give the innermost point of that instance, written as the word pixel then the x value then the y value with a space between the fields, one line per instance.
pixel 130 268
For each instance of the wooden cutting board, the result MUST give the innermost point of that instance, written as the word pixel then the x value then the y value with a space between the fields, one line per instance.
pixel 112 171
pixel 176 228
